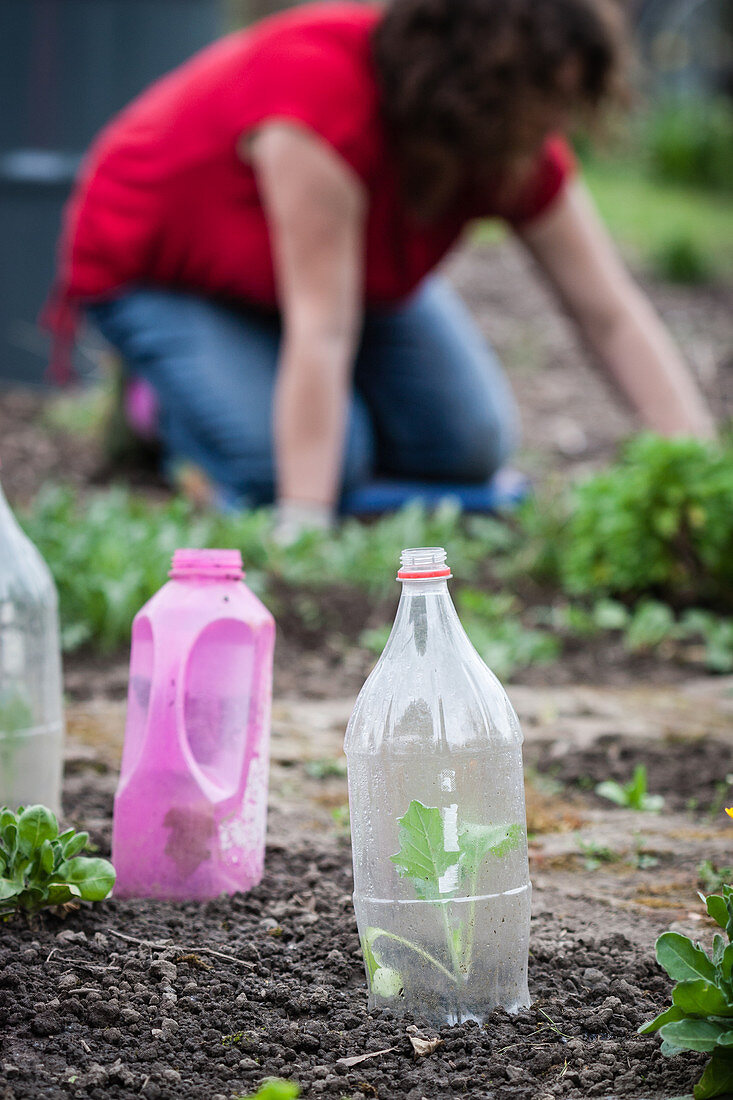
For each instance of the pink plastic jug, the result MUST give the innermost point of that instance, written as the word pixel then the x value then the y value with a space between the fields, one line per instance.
pixel 191 805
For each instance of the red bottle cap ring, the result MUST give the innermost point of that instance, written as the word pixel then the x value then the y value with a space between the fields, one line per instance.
pixel 432 574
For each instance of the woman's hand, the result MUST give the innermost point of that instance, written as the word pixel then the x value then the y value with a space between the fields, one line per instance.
pixel 315 207
pixel 615 317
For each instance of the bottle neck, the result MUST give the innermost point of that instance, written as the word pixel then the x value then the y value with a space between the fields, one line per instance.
pixel 426 617
pixel 209 565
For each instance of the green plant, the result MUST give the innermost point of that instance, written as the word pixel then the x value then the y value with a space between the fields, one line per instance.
pixel 711 877
pixel 424 859
pixel 632 795
pixel 341 818
pixel 326 768
pixel 40 866
pixel 659 521
pixel 651 624
pixel 274 1088
pixel 493 624
pixel 375 638
pixel 595 854
pixel 701 1015
pixel 682 260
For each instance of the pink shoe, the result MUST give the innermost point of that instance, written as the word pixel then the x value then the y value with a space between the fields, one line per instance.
pixel 140 403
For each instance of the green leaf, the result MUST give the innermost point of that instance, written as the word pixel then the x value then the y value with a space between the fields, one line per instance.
pixel 612 791
pixel 274 1088
pixel 718 949
pixel 9 888
pixel 726 963
pixel 94 877
pixel 727 1039
pixel 422 856
pixel 666 1017
pixel 7 817
pixel 47 857
pixel 369 957
pixel 61 892
pixel 717 1080
pixel 699 998
pixel 682 959
pixel 669 1050
pixel 476 842
pixel 9 835
pixel 717 909
pixel 75 844
pixel 387 982
pixel 35 825
pixel 371 935
pixel 699 1035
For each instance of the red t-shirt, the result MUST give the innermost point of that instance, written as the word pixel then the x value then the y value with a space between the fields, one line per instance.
pixel 164 199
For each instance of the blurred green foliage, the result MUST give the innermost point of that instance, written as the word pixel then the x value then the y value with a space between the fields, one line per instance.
pixel 681 260
pixel 689 140
pixel 642 551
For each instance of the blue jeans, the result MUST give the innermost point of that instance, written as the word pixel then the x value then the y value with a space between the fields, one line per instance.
pixel 429 400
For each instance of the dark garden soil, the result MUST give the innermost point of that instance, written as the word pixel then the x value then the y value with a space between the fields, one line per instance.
pixel 130 999
pixel 690 774
pixel 163 1000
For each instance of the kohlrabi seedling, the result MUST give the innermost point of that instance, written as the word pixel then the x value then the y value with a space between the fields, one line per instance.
pixel 40 866
pixel 701 1015
pixel 632 795
pixel 274 1088
pixel 438 872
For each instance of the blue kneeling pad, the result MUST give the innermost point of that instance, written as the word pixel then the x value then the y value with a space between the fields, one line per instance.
pixel 504 491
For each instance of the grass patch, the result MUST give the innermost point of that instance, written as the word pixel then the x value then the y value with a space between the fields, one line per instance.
pixel 678 231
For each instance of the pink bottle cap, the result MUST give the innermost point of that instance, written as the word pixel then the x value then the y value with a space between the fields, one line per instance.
pixel 216 564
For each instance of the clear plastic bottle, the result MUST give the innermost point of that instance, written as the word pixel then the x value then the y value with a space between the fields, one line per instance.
pixel 436 792
pixel 31 699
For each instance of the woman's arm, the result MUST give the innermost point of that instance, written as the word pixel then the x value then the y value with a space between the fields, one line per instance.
pixel 615 317
pixel 315 208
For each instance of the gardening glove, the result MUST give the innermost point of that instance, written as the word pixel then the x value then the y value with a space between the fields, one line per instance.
pixel 294 518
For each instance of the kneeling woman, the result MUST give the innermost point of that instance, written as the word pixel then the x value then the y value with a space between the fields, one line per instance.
pixel 256 235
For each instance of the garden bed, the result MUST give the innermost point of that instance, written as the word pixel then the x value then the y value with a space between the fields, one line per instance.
pixel 132 999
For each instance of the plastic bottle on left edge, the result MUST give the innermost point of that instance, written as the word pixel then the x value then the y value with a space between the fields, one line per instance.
pixel 191 805
pixel 31 696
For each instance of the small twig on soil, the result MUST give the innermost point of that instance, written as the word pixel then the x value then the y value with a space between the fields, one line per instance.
pixel 354 1061
pixel 51 953
pixel 157 946
pixel 93 967
pixel 86 1046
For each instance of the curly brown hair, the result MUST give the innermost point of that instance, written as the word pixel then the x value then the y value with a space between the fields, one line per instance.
pixel 469 86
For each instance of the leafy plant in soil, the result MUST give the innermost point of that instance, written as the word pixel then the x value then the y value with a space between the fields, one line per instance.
pixel 632 795
pixel 701 1015
pixel 424 860
pixel 660 520
pixel 40 867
